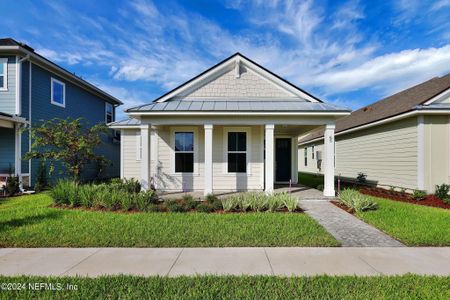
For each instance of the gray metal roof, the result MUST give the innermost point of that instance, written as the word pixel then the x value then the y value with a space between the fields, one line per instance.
pixel 126 122
pixel 276 105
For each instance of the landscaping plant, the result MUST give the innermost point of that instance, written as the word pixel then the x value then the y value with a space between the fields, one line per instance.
pixel 442 190
pixel 356 201
pixel 419 195
pixel 41 182
pixel 361 178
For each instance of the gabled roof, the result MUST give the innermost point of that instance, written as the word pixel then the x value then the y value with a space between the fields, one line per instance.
pixel 182 92
pixel 126 123
pixel 405 101
pixel 11 45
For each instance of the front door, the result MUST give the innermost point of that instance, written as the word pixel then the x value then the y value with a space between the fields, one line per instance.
pixel 283 159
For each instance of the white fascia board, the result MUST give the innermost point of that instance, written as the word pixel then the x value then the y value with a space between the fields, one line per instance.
pixel 442 95
pixel 124 126
pixel 234 113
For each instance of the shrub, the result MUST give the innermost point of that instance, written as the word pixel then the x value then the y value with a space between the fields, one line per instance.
pixel 392 188
pixel 442 190
pixel 210 198
pixel 402 190
pixel 175 206
pixel 274 203
pixel 123 200
pixel 101 197
pixel 86 194
pixel 189 201
pixel 65 192
pixel 230 203
pixel 154 208
pixel 129 185
pixel 356 201
pixel 41 177
pixel 205 208
pixel 446 200
pixel 320 187
pixel 361 178
pixel 12 185
pixel 419 195
pixel 288 201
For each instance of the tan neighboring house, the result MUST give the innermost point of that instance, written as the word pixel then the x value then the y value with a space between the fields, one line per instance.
pixel 233 127
pixel 402 140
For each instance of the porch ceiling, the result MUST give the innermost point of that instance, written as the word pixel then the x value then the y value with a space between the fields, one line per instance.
pixel 293 130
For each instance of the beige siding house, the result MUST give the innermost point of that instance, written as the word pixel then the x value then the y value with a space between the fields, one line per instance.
pixel 234 127
pixel 402 140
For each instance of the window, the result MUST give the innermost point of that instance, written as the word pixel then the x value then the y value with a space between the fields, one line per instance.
pixel 184 152
pixel 3 74
pixel 109 111
pixel 237 152
pixel 306 156
pixel 58 93
pixel 312 152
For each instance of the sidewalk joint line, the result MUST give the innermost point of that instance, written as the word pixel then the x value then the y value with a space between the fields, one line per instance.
pixel 372 267
pixel 268 260
pixel 76 264
pixel 176 259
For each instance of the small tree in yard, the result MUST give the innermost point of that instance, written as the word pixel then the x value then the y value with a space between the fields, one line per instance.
pixel 66 141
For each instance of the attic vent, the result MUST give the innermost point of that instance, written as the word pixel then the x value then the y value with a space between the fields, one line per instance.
pixel 237 71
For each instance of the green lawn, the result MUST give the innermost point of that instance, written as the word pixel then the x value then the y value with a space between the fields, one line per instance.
pixel 28 221
pixel 310 180
pixel 414 225
pixel 232 287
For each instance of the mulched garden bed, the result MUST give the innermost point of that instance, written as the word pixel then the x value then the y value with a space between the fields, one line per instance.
pixel 430 200
pixel 343 207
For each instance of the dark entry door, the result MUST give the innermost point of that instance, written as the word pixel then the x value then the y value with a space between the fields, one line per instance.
pixel 283 159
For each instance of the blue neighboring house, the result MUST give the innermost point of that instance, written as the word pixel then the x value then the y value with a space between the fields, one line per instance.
pixel 34 89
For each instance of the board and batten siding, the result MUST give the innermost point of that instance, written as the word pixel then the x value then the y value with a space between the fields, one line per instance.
pixel 386 153
pixel 8 97
pixel 131 161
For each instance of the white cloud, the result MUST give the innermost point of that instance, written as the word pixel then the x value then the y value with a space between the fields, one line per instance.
pixel 388 72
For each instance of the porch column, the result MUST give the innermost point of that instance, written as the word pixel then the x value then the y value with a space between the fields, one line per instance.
pixel 145 159
pixel 208 189
pixel 269 163
pixel 153 156
pixel 328 190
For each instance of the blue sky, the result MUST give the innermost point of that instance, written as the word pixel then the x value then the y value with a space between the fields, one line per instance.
pixel 347 52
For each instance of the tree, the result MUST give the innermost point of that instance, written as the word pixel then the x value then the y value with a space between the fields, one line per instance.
pixel 66 141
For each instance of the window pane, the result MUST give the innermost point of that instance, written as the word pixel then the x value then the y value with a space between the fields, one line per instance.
pixel 184 162
pixel 184 141
pixel 58 91
pixel 237 162
pixel 109 118
pixel 2 83
pixel 2 68
pixel 237 141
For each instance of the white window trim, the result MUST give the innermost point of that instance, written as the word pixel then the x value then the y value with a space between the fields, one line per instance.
pixel 305 157
pixel 4 61
pixel 196 150
pixel 312 152
pixel 248 151
pixel 106 112
pixel 64 92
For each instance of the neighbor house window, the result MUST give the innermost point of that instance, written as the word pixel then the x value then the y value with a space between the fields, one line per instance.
pixel 306 156
pixel 184 152
pixel 109 111
pixel 3 74
pixel 237 152
pixel 58 92
pixel 312 152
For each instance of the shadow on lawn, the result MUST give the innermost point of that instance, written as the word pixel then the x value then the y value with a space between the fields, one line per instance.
pixel 14 223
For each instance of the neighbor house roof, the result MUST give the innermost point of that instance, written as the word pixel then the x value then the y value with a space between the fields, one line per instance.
pixel 399 103
pixel 13 46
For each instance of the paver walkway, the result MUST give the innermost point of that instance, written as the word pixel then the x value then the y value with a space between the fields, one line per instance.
pixel 346 228
pixel 224 261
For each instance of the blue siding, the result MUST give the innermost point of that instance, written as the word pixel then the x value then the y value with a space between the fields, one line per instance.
pixel 6 149
pixel 79 103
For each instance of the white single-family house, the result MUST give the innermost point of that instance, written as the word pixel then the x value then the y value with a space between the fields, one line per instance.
pixel 233 127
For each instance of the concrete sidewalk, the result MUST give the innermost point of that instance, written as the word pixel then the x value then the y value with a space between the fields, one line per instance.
pixel 231 261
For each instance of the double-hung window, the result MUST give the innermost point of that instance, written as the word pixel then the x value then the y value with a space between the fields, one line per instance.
pixel 3 74
pixel 58 92
pixel 109 112
pixel 237 152
pixel 312 152
pixel 184 152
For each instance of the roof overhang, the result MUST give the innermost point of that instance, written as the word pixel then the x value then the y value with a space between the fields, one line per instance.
pixel 420 110
pixel 52 67
pixel 9 121
pixel 240 113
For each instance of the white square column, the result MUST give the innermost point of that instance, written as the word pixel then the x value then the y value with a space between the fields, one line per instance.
pixel 18 152
pixel 269 163
pixel 208 189
pixel 153 156
pixel 328 190
pixel 145 158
